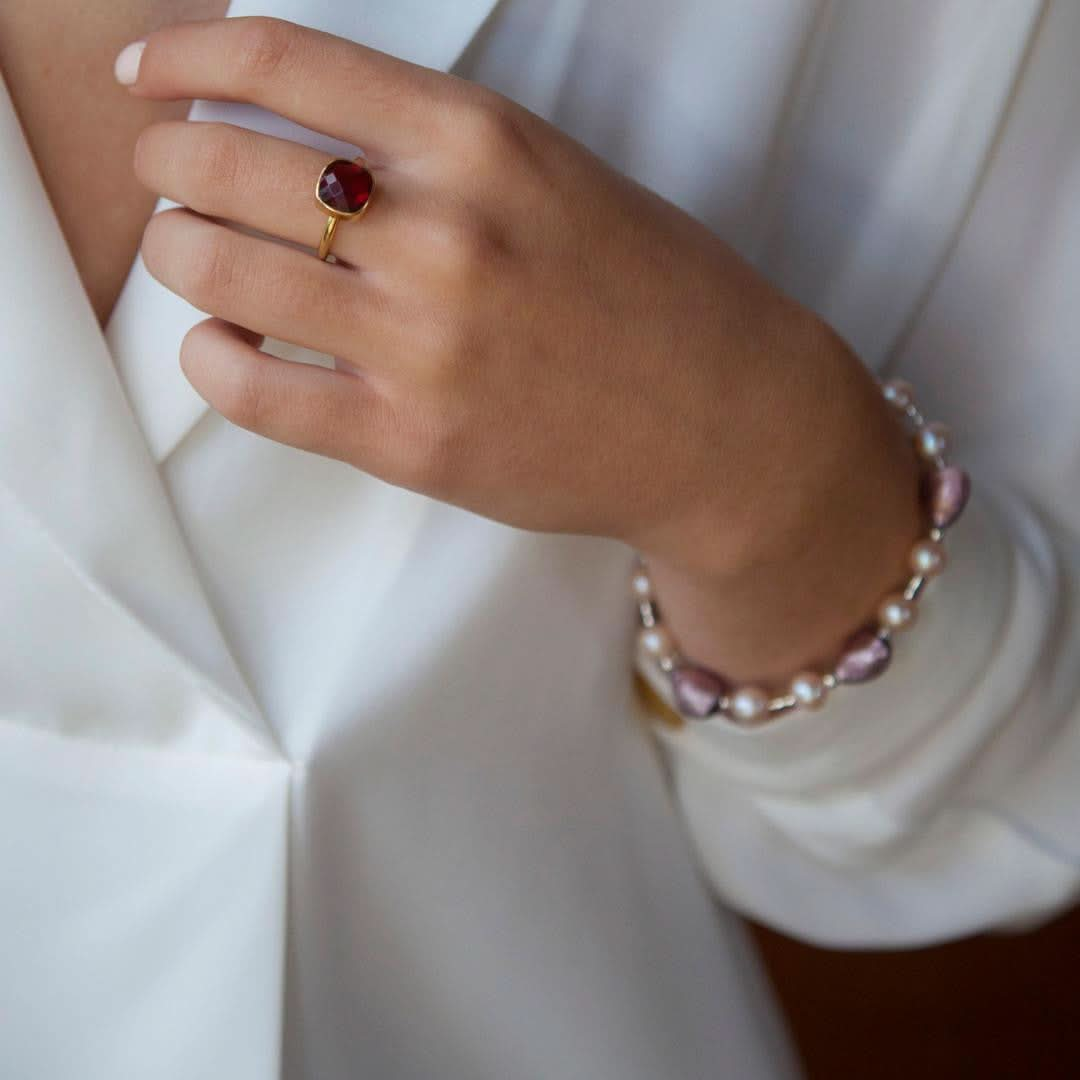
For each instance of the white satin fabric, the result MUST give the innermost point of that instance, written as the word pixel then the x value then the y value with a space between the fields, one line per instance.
pixel 305 775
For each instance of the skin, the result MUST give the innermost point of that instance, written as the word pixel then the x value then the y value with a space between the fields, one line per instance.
pixel 524 332
pixel 56 58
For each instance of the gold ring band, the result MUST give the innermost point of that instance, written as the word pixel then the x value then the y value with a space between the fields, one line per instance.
pixel 344 190
pixel 328 235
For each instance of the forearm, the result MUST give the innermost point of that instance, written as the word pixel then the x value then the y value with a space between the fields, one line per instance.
pixel 808 537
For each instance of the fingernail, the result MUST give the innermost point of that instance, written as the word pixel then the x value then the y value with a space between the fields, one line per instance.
pixel 126 67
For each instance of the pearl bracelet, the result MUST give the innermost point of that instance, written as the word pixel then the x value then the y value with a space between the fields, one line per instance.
pixel 700 693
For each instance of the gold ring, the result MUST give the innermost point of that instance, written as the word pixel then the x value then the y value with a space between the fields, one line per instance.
pixel 344 191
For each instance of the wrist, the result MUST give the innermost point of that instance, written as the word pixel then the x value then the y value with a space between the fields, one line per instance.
pixel 777 577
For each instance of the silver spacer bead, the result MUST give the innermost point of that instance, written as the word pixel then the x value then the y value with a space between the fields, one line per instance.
pixel 914 587
pixel 782 704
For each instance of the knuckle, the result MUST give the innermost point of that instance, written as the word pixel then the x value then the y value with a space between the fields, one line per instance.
pixel 465 245
pixel 490 130
pixel 241 399
pixel 261 48
pixel 208 270
pixel 216 160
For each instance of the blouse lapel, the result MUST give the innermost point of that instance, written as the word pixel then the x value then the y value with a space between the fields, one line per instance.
pixel 72 455
pixel 148 323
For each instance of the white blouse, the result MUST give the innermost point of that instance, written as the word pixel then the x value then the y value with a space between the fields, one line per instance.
pixel 302 774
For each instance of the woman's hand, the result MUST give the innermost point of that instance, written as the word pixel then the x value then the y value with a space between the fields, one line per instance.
pixel 520 330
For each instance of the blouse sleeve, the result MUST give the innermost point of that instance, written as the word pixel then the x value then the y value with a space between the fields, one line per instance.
pixel 940 800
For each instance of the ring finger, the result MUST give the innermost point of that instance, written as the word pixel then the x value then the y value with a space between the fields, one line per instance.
pixel 268 184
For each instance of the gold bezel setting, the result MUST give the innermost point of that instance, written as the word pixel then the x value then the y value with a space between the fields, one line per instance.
pixel 334 215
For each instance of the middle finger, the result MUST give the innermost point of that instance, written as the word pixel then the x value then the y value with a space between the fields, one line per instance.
pixel 268 287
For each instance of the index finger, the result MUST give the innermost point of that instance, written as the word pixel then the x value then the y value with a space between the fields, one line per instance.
pixel 359 95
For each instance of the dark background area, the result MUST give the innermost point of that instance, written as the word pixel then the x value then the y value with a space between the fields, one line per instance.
pixel 1002 1005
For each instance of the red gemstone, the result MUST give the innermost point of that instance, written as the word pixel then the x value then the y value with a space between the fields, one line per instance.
pixel 345 186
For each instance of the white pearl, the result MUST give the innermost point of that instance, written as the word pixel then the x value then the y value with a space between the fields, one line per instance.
pixel 899 392
pixel 928 558
pixel 896 612
pixel 656 641
pixel 641 586
pixel 808 688
pixel 932 440
pixel 748 703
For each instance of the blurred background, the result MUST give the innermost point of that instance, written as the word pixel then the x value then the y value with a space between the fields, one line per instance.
pixel 993 1006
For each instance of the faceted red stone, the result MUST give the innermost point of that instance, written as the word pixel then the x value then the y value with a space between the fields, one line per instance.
pixel 345 186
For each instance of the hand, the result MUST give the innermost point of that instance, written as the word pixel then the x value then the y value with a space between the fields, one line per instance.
pixel 519 329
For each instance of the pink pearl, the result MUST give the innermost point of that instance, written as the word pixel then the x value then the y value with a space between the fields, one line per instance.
pixel 897 612
pixel 927 558
pixel 809 689
pixel 748 704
